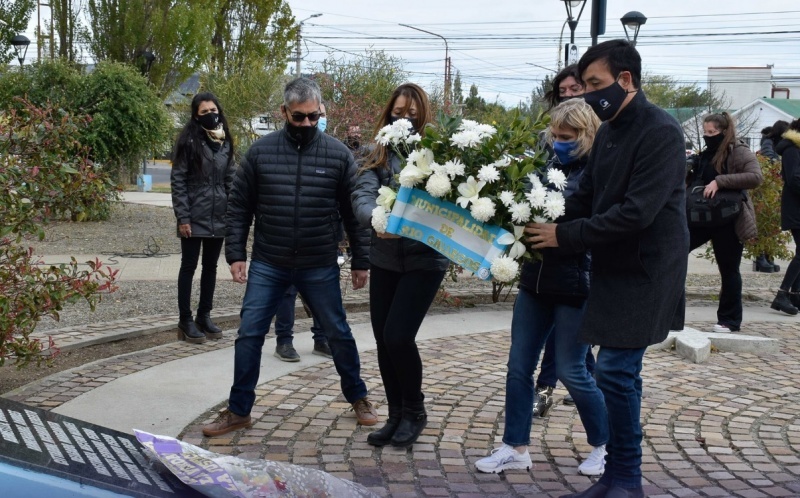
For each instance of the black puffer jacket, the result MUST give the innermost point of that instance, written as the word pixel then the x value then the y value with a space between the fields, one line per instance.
pixel 401 254
pixel 789 149
pixel 557 275
pixel 299 197
pixel 201 200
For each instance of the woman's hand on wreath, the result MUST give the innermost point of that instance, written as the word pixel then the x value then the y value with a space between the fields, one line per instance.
pixel 711 190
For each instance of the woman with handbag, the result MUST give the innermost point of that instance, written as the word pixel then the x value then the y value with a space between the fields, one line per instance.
pixel 726 164
pixel 788 298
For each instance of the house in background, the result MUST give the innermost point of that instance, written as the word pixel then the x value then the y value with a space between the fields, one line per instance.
pixel 763 112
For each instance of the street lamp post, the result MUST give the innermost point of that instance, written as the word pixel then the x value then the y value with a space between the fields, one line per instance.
pixel 298 52
pixel 634 21
pixel 446 63
pixel 148 57
pixel 571 50
pixel 20 44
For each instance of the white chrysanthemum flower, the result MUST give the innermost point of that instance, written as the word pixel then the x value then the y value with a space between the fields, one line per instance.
pixel 412 139
pixel 537 197
pixel 465 139
pixel 438 169
pixel 536 182
pixel 506 197
pixel 438 185
pixel 504 269
pixel 454 168
pixel 557 178
pixel 395 133
pixel 540 219
pixel 482 209
pixel 386 197
pixel 554 205
pixel 520 212
pixel 467 124
pixel 486 130
pixel 469 191
pixel 380 219
pixel 410 176
pixel 503 162
pixel 488 174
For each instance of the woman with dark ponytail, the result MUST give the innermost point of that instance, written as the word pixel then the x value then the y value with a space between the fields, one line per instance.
pixel 202 173
pixel 727 164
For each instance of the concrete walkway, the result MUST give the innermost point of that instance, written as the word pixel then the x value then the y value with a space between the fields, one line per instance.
pixel 726 427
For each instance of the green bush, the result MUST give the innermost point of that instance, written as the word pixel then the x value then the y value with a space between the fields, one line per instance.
pixel 767 203
pixel 45 173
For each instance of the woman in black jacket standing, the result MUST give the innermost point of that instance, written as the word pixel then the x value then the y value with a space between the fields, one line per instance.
pixel 405 276
pixel 788 298
pixel 202 173
pixel 551 301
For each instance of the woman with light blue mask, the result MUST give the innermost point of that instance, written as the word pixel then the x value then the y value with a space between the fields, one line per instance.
pixel 551 301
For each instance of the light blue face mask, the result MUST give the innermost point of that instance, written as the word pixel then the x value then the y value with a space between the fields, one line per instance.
pixel 565 151
pixel 322 124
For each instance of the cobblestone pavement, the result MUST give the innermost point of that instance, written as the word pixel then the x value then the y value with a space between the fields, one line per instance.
pixel 727 427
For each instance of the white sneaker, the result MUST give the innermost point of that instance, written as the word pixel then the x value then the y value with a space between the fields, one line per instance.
pixel 502 458
pixel 595 463
pixel 722 329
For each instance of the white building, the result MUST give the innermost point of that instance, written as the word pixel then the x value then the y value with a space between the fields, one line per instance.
pixel 740 85
pixel 763 112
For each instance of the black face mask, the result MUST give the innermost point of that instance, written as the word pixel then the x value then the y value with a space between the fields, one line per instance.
pixel 606 102
pixel 413 121
pixel 713 142
pixel 209 121
pixel 303 135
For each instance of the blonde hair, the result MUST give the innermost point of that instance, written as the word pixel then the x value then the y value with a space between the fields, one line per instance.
pixel 577 115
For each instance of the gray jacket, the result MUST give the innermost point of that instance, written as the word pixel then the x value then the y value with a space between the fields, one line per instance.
pixel 201 200
pixel 402 254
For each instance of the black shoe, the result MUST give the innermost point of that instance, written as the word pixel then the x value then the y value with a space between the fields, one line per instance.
pixel 596 490
pixel 383 436
pixel 783 303
pixel 568 400
pixel 409 430
pixel 794 297
pixel 187 331
pixel 286 352
pixel 322 349
pixel 617 492
pixel 206 326
pixel 761 264
pixel 543 401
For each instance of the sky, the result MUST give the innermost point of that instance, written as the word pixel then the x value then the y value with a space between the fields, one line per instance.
pixel 506 47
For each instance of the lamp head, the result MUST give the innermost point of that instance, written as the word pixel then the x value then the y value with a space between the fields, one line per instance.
pixel 20 44
pixel 633 20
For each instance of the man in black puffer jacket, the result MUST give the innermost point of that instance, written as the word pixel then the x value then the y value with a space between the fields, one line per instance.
pixel 296 184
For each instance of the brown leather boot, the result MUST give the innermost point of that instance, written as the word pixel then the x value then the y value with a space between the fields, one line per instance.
pixel 226 422
pixel 365 412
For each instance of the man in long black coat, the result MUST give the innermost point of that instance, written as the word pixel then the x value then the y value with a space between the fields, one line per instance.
pixel 630 212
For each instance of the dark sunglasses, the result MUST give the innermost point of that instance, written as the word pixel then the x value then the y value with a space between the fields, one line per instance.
pixel 299 117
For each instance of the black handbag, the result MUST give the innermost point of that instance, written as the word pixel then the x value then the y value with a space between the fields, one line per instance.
pixel 702 212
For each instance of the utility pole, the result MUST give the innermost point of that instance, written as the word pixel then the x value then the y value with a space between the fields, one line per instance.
pixel 298 54
pixel 446 64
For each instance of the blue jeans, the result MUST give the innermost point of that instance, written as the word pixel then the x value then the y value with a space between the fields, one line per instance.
pixel 548 376
pixel 533 321
pixel 266 286
pixel 284 320
pixel 618 376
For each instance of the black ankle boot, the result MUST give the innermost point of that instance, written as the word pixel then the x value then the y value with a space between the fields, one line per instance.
pixel 782 303
pixel 206 326
pixel 761 264
pixel 383 436
pixel 187 331
pixel 794 297
pixel 411 426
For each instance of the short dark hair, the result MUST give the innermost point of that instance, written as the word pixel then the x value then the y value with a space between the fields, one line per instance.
pixel 794 125
pixel 778 128
pixel 619 55
pixel 552 96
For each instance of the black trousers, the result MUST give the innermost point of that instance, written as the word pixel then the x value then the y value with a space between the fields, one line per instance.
pixel 398 304
pixel 190 254
pixel 791 280
pixel 728 254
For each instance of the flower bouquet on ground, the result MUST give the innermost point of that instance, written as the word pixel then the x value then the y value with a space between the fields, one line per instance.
pixel 467 189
